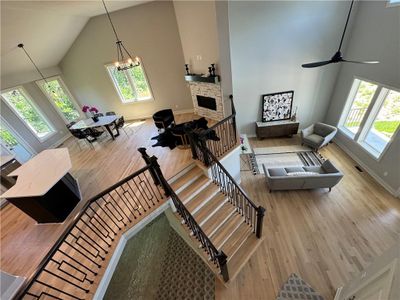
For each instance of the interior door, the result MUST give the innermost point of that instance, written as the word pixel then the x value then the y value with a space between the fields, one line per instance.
pixel 377 287
pixel 11 144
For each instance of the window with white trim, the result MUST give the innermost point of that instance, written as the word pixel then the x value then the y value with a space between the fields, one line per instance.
pixel 371 116
pixel 60 97
pixel 131 84
pixel 22 105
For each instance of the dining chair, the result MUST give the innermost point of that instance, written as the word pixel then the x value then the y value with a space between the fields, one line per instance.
pixel 69 125
pixel 82 135
pixel 110 113
pixel 120 124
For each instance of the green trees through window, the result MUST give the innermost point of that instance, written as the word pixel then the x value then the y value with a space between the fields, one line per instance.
pixel 56 93
pixel 131 84
pixel 23 107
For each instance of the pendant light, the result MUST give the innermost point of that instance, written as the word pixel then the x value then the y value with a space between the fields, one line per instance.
pixel 37 69
pixel 124 58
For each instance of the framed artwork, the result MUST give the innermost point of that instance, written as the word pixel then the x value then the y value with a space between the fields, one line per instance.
pixel 277 106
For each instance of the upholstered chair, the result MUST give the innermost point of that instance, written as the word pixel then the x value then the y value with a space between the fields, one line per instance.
pixel 318 135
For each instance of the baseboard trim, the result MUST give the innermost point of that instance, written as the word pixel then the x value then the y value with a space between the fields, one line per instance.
pixel 375 176
pixel 60 141
pixel 176 112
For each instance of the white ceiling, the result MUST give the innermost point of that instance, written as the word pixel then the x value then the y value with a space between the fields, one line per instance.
pixel 46 28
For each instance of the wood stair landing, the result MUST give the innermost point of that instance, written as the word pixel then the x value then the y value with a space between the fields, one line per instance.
pixel 217 217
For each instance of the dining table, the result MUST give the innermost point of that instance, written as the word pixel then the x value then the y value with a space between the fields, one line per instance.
pixel 104 121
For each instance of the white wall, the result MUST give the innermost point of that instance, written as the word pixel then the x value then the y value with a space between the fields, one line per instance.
pixel 269 42
pixel 375 36
pixel 149 31
pixel 197 25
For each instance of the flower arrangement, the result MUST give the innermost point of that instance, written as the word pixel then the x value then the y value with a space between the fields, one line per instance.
pixel 92 110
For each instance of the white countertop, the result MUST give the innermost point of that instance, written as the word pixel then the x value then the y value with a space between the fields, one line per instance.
pixel 37 176
pixel 5 159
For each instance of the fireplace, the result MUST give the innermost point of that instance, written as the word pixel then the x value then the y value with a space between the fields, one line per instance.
pixel 206 102
pixel 207 99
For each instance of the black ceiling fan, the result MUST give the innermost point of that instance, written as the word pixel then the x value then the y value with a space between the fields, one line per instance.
pixel 337 57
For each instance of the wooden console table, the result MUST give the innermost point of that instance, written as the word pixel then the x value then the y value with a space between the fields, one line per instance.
pixel 276 128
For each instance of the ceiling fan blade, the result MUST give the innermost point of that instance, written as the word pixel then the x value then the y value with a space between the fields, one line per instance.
pixel 361 62
pixel 317 64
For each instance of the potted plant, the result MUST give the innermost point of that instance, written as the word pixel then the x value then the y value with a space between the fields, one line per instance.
pixel 92 111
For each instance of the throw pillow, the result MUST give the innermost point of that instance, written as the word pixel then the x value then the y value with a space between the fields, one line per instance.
pixel 302 173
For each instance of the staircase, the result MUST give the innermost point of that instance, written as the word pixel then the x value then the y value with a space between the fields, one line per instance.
pixel 218 218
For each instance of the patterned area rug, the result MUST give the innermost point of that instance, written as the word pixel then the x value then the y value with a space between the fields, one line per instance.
pixel 286 156
pixel 158 264
pixel 297 288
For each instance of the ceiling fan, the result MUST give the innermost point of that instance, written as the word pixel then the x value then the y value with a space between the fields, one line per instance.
pixel 337 57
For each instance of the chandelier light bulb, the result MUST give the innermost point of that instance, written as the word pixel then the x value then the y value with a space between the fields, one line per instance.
pixel 129 61
pixel 116 64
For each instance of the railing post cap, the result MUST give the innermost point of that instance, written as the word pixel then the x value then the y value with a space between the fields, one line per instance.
pixel 261 210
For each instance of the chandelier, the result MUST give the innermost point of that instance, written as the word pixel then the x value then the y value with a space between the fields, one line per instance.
pixel 124 58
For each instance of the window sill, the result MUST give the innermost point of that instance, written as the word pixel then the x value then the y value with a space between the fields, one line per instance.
pixel 138 101
pixel 46 137
pixel 347 132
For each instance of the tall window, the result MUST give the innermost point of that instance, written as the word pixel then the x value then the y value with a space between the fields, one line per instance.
pixel 363 94
pixel 61 98
pixel 131 84
pixel 20 102
pixel 372 116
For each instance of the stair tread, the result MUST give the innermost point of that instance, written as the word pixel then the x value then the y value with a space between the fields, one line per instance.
pixel 227 229
pixel 209 208
pixel 192 173
pixel 241 257
pixel 197 185
pixel 205 194
pixel 216 219
pixel 237 238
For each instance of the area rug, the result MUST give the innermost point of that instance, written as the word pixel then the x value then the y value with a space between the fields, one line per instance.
pixel 285 156
pixel 297 288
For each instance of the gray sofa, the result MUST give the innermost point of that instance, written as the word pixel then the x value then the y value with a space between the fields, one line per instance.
pixel 301 177
pixel 318 135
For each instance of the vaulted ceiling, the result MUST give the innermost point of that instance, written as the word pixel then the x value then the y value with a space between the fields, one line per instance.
pixel 47 29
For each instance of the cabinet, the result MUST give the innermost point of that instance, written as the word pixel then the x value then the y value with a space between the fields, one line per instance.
pixel 276 129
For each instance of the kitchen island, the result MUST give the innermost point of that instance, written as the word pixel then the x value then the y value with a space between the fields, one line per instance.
pixel 44 188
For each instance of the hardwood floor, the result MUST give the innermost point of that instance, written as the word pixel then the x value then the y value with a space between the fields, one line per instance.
pixel 24 244
pixel 325 237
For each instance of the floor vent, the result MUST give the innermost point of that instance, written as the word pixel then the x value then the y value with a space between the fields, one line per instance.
pixel 359 169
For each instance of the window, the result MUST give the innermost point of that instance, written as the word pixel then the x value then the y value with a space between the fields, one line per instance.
pixel 385 123
pixel 364 91
pixel 61 98
pixel 20 102
pixel 131 84
pixel 371 116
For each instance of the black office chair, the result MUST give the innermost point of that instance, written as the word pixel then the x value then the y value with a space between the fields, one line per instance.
pixel 163 119
pixel 110 113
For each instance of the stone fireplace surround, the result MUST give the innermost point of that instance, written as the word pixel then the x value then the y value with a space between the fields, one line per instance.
pixel 212 90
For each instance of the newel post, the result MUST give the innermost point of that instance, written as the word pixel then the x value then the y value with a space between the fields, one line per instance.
pixel 260 219
pixel 223 265
pixel 155 171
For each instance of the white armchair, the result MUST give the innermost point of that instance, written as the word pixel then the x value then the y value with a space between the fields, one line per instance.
pixel 318 135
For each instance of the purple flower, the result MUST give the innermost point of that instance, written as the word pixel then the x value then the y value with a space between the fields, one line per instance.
pixel 94 109
pixel 85 108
